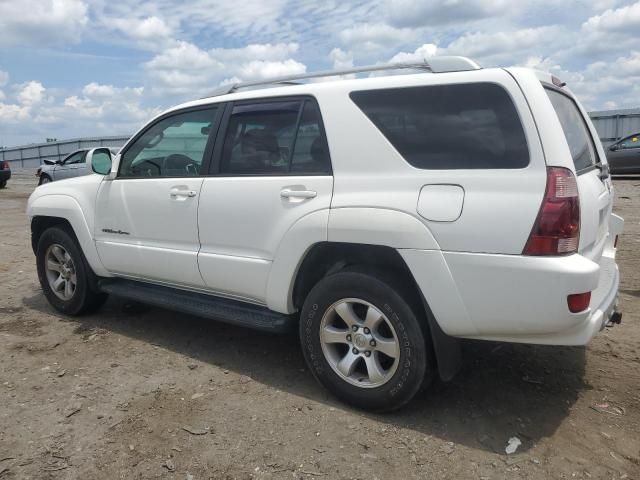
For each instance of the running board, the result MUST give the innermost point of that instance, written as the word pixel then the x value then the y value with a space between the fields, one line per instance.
pixel 201 305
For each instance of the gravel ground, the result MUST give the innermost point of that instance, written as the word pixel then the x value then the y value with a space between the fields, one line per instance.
pixel 134 392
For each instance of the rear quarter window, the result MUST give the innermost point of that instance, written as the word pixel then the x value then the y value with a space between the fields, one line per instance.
pixel 575 130
pixel 463 126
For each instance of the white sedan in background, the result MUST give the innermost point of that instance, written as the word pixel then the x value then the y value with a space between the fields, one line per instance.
pixel 73 165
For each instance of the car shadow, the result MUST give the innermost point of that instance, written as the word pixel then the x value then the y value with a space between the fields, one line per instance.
pixel 503 390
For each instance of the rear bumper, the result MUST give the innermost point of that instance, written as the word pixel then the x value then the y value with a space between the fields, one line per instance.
pixel 517 298
pixel 5 175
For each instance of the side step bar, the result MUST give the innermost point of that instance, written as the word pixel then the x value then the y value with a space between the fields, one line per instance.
pixel 201 305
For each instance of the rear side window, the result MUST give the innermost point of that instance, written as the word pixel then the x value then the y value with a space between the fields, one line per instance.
pixel 575 130
pixel 449 126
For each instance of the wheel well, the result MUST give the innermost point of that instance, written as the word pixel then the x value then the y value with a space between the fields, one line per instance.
pixel 330 257
pixel 40 224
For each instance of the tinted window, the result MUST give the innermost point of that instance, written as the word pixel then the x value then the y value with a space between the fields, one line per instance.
pixel 260 138
pixel 630 142
pixel 173 147
pixel 311 153
pixel 575 130
pixel 449 126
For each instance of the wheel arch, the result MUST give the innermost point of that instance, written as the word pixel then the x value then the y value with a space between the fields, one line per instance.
pixel 326 258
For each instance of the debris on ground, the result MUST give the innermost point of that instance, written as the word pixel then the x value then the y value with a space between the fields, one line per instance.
pixel 72 409
pixel 195 431
pixel 512 445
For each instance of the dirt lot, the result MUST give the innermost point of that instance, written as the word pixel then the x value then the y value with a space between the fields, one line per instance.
pixel 147 393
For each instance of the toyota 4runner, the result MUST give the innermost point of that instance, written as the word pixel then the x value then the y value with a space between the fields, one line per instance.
pixel 382 217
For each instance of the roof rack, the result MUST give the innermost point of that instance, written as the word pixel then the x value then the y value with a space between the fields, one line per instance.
pixel 433 65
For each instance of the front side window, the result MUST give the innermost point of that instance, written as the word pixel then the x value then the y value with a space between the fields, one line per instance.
pixel 172 147
pixel 463 126
pixel 275 138
pixel 575 130
pixel 630 142
pixel 77 157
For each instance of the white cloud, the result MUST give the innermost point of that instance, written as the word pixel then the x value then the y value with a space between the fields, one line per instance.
pixel 187 69
pixel 42 22
pixel 151 33
pixel 420 54
pixel 507 47
pixel 341 59
pixel 625 19
pixel 30 93
pixel 375 36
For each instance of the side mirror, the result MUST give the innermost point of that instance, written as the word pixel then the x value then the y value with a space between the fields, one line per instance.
pixel 614 147
pixel 100 160
pixel 51 162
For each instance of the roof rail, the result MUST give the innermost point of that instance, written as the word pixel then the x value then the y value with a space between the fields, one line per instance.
pixel 433 65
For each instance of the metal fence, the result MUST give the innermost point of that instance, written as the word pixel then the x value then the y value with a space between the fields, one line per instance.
pixel 34 155
pixel 611 125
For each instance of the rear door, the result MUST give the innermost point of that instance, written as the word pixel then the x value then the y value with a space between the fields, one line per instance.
pixel 625 158
pixel 596 195
pixel 271 168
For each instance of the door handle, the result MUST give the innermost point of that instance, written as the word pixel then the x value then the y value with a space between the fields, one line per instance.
pixel 177 192
pixel 288 193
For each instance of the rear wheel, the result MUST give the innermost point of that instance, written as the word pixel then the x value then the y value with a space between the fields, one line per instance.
pixel 3 183
pixel 362 340
pixel 64 274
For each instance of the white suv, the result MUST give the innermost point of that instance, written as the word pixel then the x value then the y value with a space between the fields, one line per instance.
pixel 383 217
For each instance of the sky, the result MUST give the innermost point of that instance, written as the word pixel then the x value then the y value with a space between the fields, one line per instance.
pixel 75 68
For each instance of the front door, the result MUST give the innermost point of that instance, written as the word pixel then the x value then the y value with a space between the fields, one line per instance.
pixel 146 219
pixel 72 166
pixel 271 169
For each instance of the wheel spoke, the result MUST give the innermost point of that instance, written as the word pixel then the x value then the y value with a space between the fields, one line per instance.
pixel 374 369
pixel 345 311
pixel 348 363
pixel 334 335
pixel 53 266
pixel 373 318
pixel 73 279
pixel 387 346
pixel 59 282
pixel 58 253
pixel 67 289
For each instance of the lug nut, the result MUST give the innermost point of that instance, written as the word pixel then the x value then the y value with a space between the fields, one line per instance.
pixel 367 353
pixel 372 343
pixel 367 331
pixel 355 351
pixel 354 328
pixel 348 338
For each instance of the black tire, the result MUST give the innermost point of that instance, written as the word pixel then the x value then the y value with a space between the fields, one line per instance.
pixel 85 298
pixel 3 183
pixel 384 293
pixel 44 177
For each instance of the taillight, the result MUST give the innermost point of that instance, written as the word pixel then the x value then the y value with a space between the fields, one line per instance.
pixel 578 302
pixel 557 228
pixel 5 165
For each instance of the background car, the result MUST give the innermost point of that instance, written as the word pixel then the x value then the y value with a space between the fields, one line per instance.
pixel 624 155
pixel 5 173
pixel 74 165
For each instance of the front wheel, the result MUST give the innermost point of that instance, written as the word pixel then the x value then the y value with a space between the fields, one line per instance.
pixel 64 275
pixel 3 183
pixel 44 179
pixel 363 342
